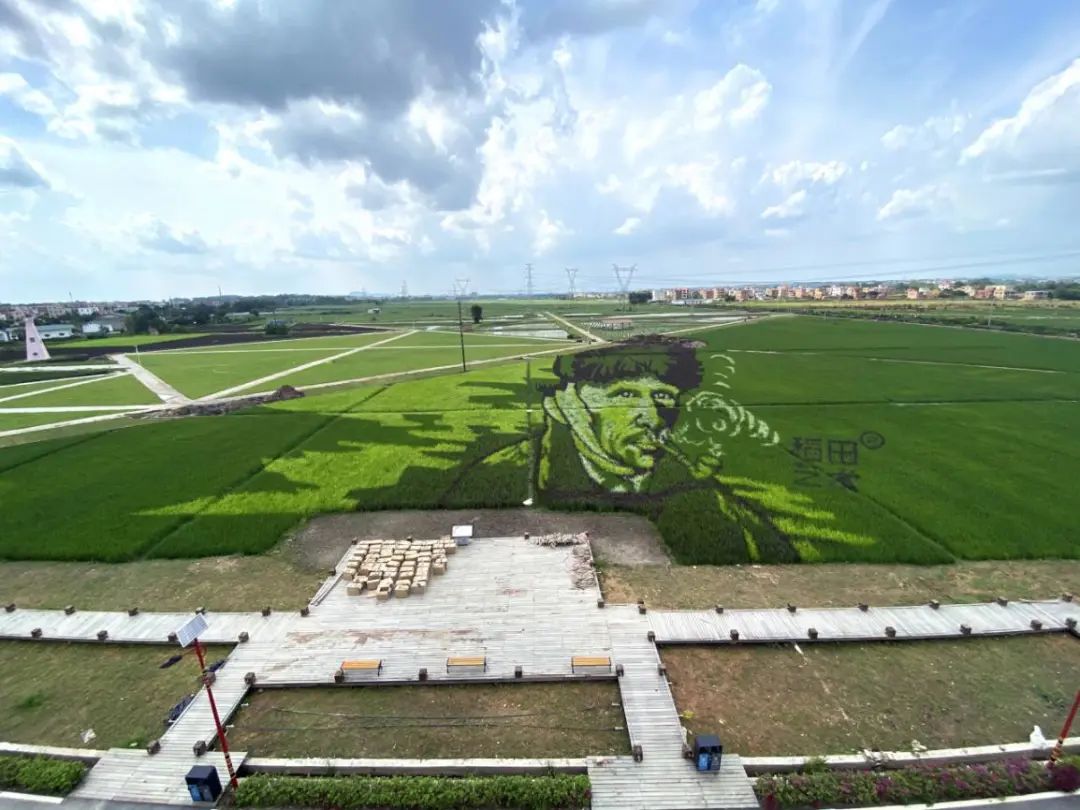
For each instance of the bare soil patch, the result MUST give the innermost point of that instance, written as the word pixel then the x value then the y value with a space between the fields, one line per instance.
pixel 840 698
pixel 485 720
pixel 616 538
pixel 837 584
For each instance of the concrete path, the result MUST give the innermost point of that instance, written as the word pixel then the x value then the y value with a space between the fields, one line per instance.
pixel 574 327
pixel 72 408
pixel 303 367
pixel 88 420
pixel 86 367
pixel 161 389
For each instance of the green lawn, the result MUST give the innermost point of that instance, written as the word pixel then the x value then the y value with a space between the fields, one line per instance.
pixel 123 390
pixel 51 693
pixel 328 343
pixel 974 462
pixel 123 342
pixel 146 481
pixel 841 698
pixel 395 359
pixel 199 374
pixel 14 421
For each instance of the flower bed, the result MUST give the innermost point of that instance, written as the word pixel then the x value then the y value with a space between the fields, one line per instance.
pixel 916 785
pixel 355 792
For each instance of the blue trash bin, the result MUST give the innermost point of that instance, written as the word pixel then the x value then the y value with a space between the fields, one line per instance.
pixel 203 783
pixel 708 752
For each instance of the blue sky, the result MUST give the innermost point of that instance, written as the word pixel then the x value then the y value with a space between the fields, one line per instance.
pixel 154 149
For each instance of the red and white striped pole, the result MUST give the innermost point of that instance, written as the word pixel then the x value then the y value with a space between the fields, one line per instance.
pixel 1055 754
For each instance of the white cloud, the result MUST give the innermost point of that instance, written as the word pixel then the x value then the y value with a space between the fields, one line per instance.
pixel 797 172
pixel 153 234
pixel 793 207
pixel 933 133
pixel 15 87
pixel 738 98
pixel 630 224
pixel 548 233
pixel 1048 115
pixel 908 203
pixel 16 171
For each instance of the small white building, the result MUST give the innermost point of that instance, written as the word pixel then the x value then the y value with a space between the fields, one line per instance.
pixel 97 328
pixel 56 331
pixel 5 336
pixel 86 312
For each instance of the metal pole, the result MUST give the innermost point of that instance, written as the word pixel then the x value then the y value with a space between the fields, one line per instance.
pixel 206 679
pixel 461 334
pixel 1056 753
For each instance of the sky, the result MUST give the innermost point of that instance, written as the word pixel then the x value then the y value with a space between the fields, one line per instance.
pixel 169 148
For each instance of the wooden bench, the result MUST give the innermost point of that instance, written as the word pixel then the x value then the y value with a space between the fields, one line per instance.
pixel 359 668
pixel 590 662
pixel 467 662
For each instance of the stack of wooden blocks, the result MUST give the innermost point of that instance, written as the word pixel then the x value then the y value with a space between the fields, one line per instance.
pixel 386 568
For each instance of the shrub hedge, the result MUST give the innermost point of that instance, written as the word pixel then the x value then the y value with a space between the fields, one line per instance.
pixel 438 793
pixel 40 774
pixel 916 785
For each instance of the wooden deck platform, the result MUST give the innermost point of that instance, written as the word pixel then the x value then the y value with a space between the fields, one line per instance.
pixel 664 779
pixel 513 604
pixel 853 624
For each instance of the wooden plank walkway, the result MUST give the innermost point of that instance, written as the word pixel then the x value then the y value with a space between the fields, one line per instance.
pixel 144 628
pixel 853 624
pixel 664 778
pixel 517 604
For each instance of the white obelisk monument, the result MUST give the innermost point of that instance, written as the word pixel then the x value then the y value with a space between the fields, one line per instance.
pixel 35 346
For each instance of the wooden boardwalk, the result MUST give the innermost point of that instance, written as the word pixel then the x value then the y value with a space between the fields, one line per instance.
pixel 853 624
pixel 664 778
pixel 517 604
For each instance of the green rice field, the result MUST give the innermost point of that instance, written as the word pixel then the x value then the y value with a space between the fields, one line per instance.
pixel 888 443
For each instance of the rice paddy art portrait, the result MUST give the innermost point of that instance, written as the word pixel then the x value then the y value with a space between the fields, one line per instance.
pixel 649 425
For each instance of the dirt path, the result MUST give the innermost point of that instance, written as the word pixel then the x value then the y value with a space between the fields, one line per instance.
pixel 616 538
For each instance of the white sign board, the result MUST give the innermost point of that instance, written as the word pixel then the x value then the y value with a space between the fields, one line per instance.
pixel 191 629
pixel 462 530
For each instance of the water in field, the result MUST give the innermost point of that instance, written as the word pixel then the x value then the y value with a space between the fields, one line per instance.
pixel 533 332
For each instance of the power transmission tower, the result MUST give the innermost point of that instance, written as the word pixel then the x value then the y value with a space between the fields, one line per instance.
pixel 528 281
pixel 623 276
pixel 571 273
pixel 404 289
pixel 460 285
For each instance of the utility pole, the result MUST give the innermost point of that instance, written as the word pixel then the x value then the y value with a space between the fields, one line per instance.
pixel 528 281
pixel 460 285
pixel 571 273
pixel 623 276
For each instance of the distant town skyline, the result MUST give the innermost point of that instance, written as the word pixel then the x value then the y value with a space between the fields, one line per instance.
pixel 151 149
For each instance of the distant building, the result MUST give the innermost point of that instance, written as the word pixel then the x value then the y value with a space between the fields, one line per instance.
pixel 1036 295
pixel 914 294
pixel 86 312
pixel 97 328
pixel 5 336
pixel 56 331
pixel 1000 291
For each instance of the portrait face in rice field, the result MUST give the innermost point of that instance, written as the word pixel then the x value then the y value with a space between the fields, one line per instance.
pixel 619 405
